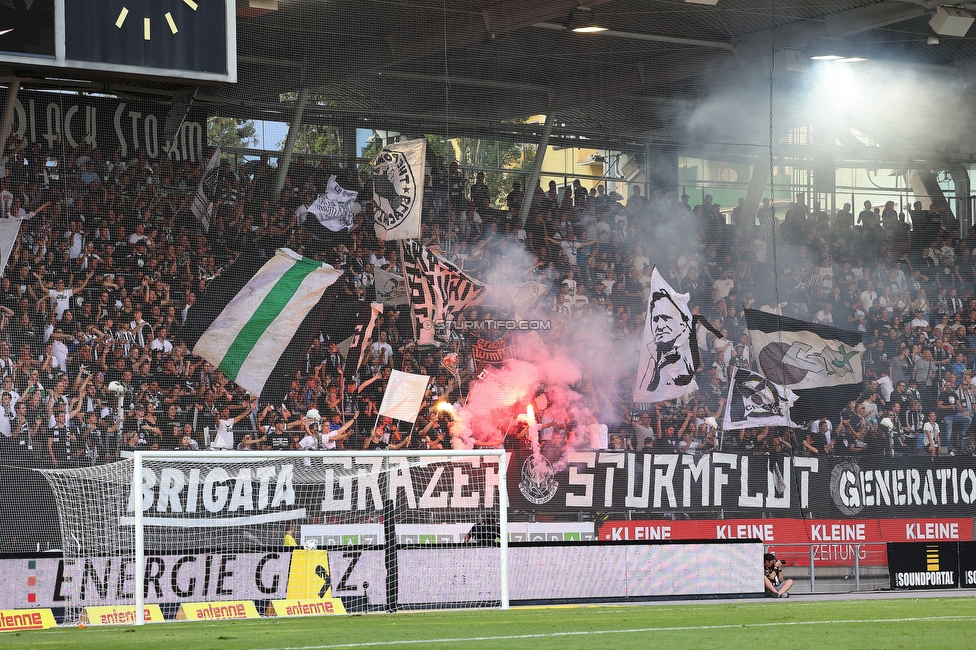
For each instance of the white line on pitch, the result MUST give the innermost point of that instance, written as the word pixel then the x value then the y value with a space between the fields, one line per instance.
pixel 642 630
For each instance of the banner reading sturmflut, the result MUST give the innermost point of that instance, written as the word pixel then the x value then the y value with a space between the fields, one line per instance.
pixel 754 401
pixel 822 364
pixel 256 324
pixel 398 189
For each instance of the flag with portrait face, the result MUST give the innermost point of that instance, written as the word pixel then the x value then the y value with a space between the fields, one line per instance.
pixel 667 360
pixel 754 401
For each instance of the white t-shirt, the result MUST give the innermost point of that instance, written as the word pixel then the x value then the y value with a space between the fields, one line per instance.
pixel 823 318
pixel 163 345
pixel 62 300
pixel 722 287
pixel 224 438
pixel 385 350
pixel 76 244
pixel 5 413
pixel 328 436
pixel 868 298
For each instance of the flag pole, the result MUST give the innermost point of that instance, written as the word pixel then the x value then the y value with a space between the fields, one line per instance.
pixel 413 315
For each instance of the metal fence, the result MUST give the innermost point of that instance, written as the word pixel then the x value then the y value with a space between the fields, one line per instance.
pixel 834 567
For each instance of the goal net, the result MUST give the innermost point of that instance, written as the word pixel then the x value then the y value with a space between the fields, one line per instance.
pixel 379 531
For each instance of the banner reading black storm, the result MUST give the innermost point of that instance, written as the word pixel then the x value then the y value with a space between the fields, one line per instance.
pixel 744 486
pixel 108 124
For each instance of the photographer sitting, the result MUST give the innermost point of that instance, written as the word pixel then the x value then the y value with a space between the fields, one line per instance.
pixel 776 585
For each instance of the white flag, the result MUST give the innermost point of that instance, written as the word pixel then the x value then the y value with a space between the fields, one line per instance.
pixel 336 207
pixel 666 369
pixel 754 401
pixel 203 199
pixel 9 231
pixel 391 289
pixel 404 396
pixel 398 189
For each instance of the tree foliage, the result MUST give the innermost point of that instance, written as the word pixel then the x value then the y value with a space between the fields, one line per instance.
pixel 315 138
pixel 228 132
pixel 480 154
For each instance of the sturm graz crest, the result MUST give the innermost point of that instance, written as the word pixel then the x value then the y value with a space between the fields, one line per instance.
pixel 538 484
pixel 394 188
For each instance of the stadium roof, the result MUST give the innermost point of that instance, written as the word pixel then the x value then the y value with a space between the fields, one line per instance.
pixel 465 67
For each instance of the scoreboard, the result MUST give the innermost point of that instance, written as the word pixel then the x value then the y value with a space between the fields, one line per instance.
pixel 178 39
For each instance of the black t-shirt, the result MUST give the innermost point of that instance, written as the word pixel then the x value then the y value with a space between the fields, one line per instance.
pixel 950 400
pixel 819 441
pixel 62 443
pixel 278 440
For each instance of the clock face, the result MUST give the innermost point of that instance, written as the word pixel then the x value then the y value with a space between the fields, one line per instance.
pixel 146 22
pixel 183 35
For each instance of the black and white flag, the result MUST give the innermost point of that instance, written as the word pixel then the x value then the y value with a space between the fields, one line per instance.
pixel 822 364
pixel 398 189
pixel 335 208
pixel 206 194
pixel 354 347
pixel 754 401
pixel 438 291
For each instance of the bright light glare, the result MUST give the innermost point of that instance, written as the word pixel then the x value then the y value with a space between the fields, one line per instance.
pixel 837 85
pixel 827 57
pixel 852 59
pixel 589 29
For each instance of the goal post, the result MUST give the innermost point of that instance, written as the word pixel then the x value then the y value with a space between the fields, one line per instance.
pixel 384 530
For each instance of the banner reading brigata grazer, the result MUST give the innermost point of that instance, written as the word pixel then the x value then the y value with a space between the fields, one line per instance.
pixel 730 485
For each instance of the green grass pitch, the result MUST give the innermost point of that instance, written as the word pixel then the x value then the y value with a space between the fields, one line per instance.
pixel 890 624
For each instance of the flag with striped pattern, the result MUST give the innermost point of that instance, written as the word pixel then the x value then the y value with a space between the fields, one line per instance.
pixel 257 321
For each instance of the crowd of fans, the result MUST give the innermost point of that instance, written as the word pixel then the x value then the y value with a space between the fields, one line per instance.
pixel 110 261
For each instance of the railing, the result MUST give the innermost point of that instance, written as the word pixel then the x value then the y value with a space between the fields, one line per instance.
pixel 834 567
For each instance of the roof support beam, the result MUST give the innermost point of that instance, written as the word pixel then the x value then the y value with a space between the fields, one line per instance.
pixel 722 45
pixel 540 154
pixel 293 128
pixel 449 31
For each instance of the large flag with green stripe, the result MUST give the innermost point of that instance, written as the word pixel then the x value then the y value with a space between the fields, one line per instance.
pixel 257 322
